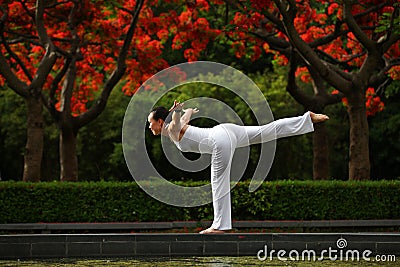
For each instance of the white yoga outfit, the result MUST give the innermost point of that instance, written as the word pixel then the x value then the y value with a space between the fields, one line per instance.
pixel 221 142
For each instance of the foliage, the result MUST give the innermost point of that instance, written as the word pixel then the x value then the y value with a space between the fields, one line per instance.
pixel 385 128
pixel 12 134
pixel 122 202
pixel 373 102
pixel 92 33
pixel 170 32
pixel 100 148
pixel 255 27
pixel 166 27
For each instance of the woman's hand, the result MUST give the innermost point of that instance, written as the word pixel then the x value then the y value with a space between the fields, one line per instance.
pixel 185 119
pixel 192 110
pixel 176 106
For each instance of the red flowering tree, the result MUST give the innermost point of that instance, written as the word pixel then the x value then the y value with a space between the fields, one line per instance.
pixel 348 46
pixel 69 55
pixel 362 55
pixel 64 53
pixel 55 53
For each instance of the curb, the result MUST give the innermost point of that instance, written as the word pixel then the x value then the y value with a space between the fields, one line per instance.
pixel 177 245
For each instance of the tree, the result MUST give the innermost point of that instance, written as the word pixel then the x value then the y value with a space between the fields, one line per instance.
pixel 351 46
pixel 24 35
pixel 60 53
pixel 379 52
pixel 76 67
pixel 26 83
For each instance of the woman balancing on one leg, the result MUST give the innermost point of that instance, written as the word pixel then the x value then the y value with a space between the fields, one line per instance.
pixel 221 142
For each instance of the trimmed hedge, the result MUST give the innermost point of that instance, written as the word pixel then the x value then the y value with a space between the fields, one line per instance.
pixel 22 202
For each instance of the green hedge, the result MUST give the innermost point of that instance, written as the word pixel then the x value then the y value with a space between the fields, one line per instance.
pixel 22 202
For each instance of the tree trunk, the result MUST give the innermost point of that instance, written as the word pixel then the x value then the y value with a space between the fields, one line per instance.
pixel 68 158
pixel 359 164
pixel 34 143
pixel 320 152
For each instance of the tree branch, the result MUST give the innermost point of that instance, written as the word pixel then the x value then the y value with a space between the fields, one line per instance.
pixel 392 35
pixel 9 50
pixel 393 38
pixel 332 99
pixel 50 56
pixel 299 95
pixel 343 63
pixel 44 38
pixel 114 78
pixel 67 89
pixel 32 39
pixel 17 59
pixel 330 37
pixel 28 11
pixel 345 75
pixel 318 82
pixel 377 79
pixel 320 99
pixel 274 43
pixel 370 10
pixel 309 55
pixel 354 28
pixel 23 38
pixel 70 66
pixel 321 96
pixel 50 102
pixel 276 21
pixel 226 13
pixel 12 80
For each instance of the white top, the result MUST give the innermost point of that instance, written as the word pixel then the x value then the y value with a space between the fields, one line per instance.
pixel 195 139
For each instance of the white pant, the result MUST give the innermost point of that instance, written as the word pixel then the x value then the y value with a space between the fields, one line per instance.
pixel 225 139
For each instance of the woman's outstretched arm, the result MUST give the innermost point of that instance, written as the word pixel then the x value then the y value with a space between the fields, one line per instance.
pixel 175 126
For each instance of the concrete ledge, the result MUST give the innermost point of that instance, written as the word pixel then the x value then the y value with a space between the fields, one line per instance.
pixel 132 226
pixel 174 245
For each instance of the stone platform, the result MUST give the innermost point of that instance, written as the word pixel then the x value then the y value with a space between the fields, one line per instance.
pixel 137 245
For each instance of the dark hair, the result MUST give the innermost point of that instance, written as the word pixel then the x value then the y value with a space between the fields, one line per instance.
pixel 160 113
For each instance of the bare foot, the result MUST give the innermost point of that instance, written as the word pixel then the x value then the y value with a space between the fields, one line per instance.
pixel 315 118
pixel 212 231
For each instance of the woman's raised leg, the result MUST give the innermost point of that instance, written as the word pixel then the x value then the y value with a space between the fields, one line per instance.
pixel 278 129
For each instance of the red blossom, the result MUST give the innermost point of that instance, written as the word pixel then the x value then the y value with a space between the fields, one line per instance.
pixel 373 102
pixel 186 28
pixel 304 74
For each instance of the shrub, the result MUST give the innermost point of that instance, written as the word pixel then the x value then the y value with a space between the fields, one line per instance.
pixel 126 202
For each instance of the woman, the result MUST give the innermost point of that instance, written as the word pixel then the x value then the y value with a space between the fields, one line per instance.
pixel 221 142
